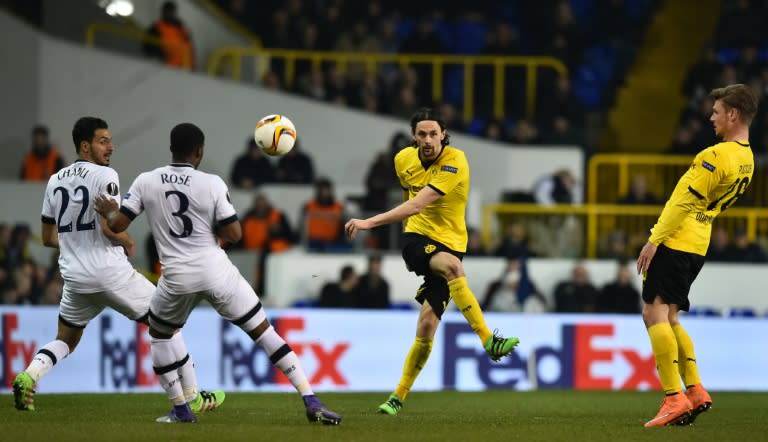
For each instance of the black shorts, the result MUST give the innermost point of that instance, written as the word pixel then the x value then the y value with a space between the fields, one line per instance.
pixel 670 276
pixel 417 253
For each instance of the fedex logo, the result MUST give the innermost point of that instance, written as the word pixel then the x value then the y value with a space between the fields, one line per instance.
pixel 13 350
pixel 580 363
pixel 125 362
pixel 244 361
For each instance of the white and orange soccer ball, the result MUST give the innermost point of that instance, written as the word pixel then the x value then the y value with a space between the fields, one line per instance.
pixel 275 135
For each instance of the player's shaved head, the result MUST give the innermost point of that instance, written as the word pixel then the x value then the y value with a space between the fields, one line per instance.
pixel 185 138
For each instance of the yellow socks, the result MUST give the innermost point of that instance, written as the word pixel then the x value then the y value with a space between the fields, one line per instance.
pixel 415 361
pixel 686 358
pixel 467 303
pixel 665 350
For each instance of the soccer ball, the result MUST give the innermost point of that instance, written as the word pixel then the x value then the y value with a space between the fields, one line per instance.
pixel 275 135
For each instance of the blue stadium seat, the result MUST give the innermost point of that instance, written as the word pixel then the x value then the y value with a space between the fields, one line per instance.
pixel 728 55
pixel 453 84
pixel 469 37
pixel 445 32
pixel 305 303
pixel 401 306
pixel 583 9
pixel 742 312
pixel 704 311
pixel 476 126
pixel 588 88
pixel 602 59
pixel 762 53
pixel 404 29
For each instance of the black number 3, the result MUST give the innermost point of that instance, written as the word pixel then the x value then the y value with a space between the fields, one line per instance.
pixel 185 220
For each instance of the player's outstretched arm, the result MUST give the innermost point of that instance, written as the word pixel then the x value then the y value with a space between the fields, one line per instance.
pixel 425 197
pixel 108 208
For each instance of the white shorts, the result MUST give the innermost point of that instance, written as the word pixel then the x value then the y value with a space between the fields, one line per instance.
pixel 234 299
pixel 131 300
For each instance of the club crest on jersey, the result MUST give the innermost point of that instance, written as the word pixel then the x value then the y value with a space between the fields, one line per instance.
pixel 112 189
pixel 429 248
pixel 709 166
pixel 450 169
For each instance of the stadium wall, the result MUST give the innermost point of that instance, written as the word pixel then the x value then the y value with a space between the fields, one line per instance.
pixel 295 276
pixel 363 351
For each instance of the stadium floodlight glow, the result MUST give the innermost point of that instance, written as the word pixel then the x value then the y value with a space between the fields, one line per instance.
pixel 123 8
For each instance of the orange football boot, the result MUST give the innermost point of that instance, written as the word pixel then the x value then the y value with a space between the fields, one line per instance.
pixel 674 409
pixel 700 402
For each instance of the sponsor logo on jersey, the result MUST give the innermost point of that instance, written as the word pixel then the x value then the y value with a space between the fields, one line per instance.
pixel 450 169
pixel 709 166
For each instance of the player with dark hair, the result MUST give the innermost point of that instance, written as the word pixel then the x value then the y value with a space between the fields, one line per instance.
pixel 435 181
pixel 674 253
pixel 187 209
pixel 92 259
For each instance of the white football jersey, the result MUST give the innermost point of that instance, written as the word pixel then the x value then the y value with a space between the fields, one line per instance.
pixel 184 206
pixel 88 260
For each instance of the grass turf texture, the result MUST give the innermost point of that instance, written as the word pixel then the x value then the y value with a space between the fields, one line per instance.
pixel 442 416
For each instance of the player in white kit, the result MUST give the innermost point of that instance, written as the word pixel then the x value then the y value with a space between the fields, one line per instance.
pixel 93 259
pixel 187 210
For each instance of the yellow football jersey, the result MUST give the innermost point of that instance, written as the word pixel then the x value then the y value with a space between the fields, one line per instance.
pixel 448 174
pixel 717 177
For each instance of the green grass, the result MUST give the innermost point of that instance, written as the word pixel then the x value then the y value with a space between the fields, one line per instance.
pixel 443 416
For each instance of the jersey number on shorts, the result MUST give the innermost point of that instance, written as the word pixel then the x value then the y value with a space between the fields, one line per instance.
pixel 185 220
pixel 80 225
pixel 739 186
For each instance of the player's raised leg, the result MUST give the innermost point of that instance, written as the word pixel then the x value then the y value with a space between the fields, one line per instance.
pixel 450 268
pixel 67 338
pixel 284 358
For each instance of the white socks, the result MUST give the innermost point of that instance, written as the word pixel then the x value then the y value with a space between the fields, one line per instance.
pixel 167 365
pixel 46 358
pixel 282 357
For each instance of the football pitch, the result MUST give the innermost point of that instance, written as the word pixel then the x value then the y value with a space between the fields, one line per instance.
pixel 440 416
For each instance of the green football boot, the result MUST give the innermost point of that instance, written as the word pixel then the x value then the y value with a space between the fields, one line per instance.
pixel 392 406
pixel 498 346
pixel 24 392
pixel 207 401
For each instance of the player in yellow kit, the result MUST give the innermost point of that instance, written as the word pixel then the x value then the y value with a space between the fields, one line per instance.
pixel 674 253
pixel 435 181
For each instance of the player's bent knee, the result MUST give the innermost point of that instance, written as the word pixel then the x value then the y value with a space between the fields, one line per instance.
pixel 254 321
pixel 160 328
pixel 447 266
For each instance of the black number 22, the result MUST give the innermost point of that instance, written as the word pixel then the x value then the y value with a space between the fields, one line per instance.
pixel 80 225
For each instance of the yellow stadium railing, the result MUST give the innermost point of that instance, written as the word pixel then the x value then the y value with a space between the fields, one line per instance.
pixel 597 221
pixel 234 56
pixel 609 177
pixel 131 33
